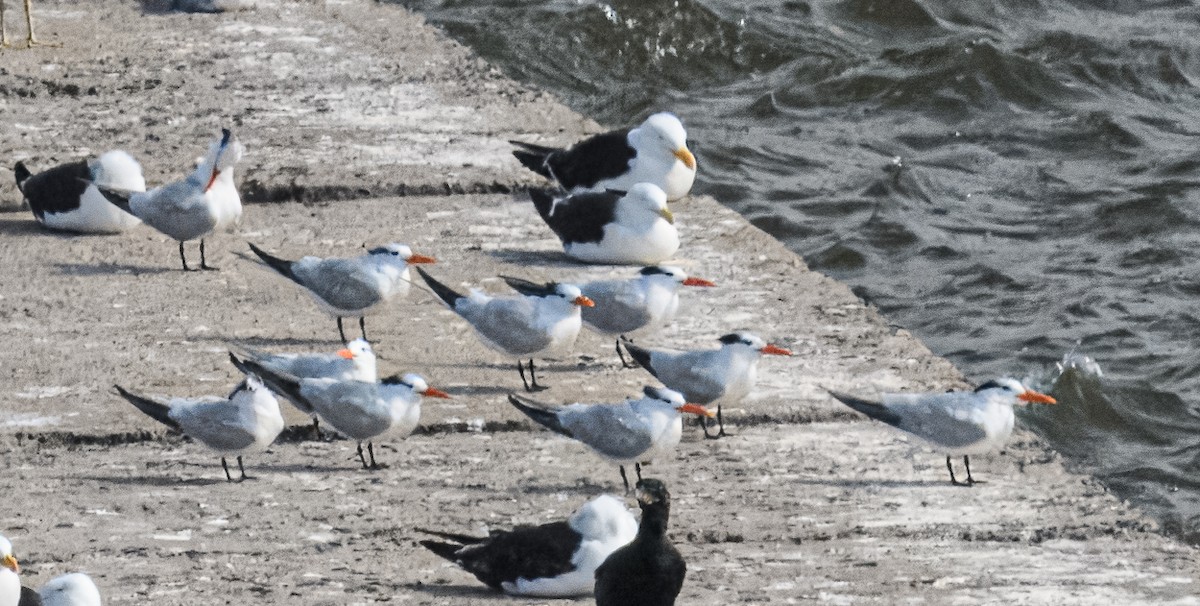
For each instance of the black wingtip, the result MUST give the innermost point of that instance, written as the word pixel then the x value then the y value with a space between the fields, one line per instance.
pixel 21 172
pixel 534 411
pixel 528 288
pixel 283 266
pixel 640 355
pixel 155 410
pixel 875 410
pixel 445 293
pixel 447 551
pixel 116 197
pixel 543 201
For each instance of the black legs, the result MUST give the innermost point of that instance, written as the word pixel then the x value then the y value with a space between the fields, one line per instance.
pixel 970 480
pixel 531 384
pixel 204 264
pixel 362 325
pixel 241 468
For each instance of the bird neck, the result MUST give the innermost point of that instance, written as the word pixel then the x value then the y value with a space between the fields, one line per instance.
pixel 654 522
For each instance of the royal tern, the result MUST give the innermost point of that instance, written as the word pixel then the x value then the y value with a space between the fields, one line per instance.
pixel 205 202
pixel 75 589
pixel 542 320
pixel 636 306
pixel 957 422
pixel 351 288
pixel 655 152
pixel 67 197
pixel 355 362
pixel 247 421
pixel 633 431
pixel 724 375
pixel 629 228
pixel 557 559
pixel 10 583
pixel 358 409
pixel 649 571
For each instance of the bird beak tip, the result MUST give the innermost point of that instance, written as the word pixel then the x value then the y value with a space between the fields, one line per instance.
pixel 777 351
pixel 418 259
pixel 435 393
pixel 583 301
pixel 685 156
pixel 346 353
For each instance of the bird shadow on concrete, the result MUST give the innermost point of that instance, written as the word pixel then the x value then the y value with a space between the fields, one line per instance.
pixel 534 259
pixel 270 341
pixel 163 481
pixel 484 390
pixel 108 269
pixel 289 468
pixel 584 487
pixel 30 228
pixel 478 592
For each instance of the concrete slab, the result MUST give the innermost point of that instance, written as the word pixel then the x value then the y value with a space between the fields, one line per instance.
pixel 350 99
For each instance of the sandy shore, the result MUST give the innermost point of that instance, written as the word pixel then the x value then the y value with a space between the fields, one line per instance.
pixel 355 102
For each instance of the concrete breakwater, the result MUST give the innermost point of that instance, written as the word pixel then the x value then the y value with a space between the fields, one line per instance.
pixel 358 102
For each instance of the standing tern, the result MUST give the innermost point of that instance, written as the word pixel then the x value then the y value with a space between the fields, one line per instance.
pixel 654 152
pixel 557 559
pixel 74 589
pixel 355 362
pixel 636 306
pixel 68 197
pixel 724 375
pixel 634 431
pixel 649 571
pixel 630 228
pixel 351 288
pixel 358 409
pixel 205 202
pixel 957 422
pixel 247 421
pixel 543 320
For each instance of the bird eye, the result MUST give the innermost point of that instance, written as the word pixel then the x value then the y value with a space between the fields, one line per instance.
pixel 395 253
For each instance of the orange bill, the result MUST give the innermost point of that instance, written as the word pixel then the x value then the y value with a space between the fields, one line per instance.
pixel 433 392
pixel 1034 397
pixel 346 353
pixel 212 179
pixel 686 157
pixel 583 301
pixel 698 282
pixel 697 409
pixel 10 563
pixel 420 259
pixel 776 351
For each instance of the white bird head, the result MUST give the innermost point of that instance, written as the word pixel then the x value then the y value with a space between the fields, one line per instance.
pixel 1016 389
pixel 647 198
pixel 7 560
pixel 358 348
pixel 223 155
pixel 417 384
pixel 400 251
pixel 573 295
pixel 663 131
pixel 75 589
pixel 751 340
pixel 603 517
pixel 675 274
pixel 674 400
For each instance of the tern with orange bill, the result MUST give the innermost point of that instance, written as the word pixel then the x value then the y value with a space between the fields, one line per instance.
pixel 654 152
pixel 708 376
pixel 959 423
pixel 636 306
pixel 360 410
pixel 355 362
pixel 10 583
pixel 354 287
pixel 248 420
pixel 544 319
pixel 205 202
pixel 635 431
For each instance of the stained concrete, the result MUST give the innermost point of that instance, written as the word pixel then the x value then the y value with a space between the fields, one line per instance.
pixel 803 503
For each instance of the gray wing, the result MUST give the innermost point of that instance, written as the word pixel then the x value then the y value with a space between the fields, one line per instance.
pixel 695 374
pixel 620 306
pixel 217 424
pixel 947 419
pixel 309 366
pixel 509 323
pixel 351 407
pixel 177 209
pixel 342 283
pixel 612 430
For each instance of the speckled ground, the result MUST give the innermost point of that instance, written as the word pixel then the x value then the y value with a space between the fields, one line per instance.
pixel 802 504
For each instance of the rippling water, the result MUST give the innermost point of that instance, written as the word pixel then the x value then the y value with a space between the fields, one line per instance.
pixel 1009 180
